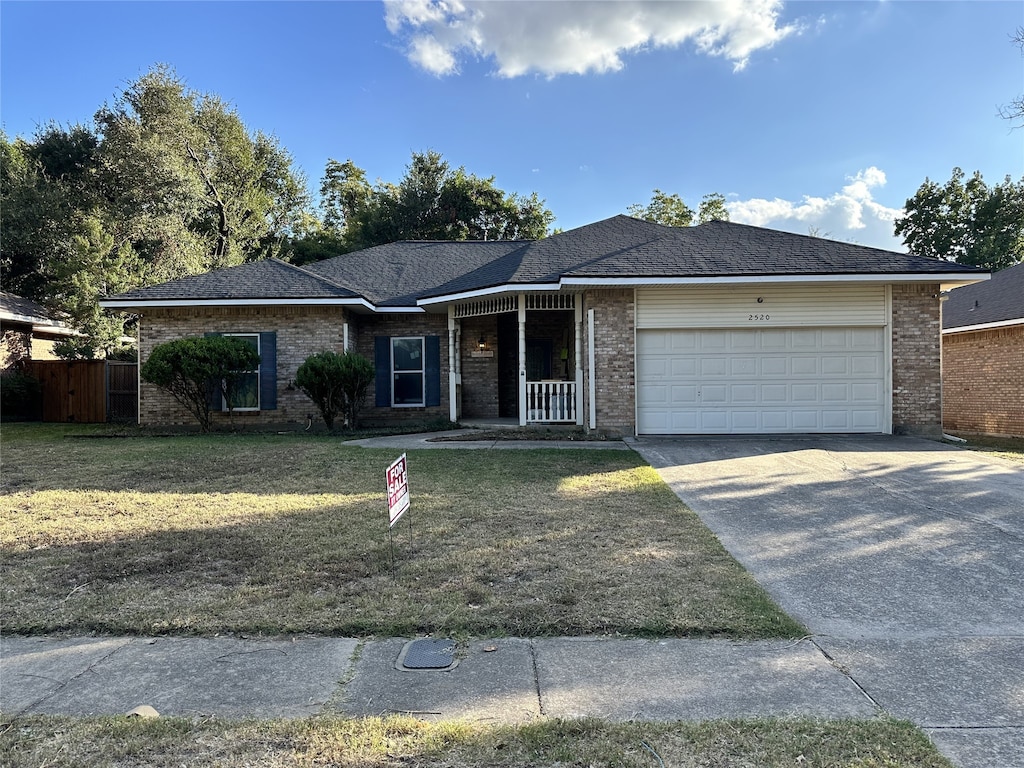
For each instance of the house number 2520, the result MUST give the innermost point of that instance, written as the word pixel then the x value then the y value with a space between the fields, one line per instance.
pixel 759 317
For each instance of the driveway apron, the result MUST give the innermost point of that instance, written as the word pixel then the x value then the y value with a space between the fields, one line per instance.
pixel 904 558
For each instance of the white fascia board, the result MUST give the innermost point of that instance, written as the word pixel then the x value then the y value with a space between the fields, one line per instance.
pixel 56 330
pixel 136 304
pixel 507 288
pixel 984 326
pixel 952 279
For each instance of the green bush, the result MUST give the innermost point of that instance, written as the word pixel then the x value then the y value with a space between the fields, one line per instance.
pixel 21 397
pixel 337 384
pixel 192 369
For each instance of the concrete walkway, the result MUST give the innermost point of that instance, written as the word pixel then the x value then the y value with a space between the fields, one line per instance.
pixel 509 680
pixel 429 440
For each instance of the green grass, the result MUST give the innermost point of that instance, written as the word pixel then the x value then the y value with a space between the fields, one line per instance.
pixel 62 742
pixel 1011 448
pixel 275 534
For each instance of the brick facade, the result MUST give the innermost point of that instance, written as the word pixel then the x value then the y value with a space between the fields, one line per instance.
pixel 615 390
pixel 301 332
pixel 366 328
pixel 480 374
pixel 983 381
pixel 916 361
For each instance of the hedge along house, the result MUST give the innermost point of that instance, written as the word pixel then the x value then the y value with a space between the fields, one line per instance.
pixel 622 326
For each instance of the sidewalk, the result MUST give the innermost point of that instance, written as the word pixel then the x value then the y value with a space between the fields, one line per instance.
pixel 429 440
pixel 509 680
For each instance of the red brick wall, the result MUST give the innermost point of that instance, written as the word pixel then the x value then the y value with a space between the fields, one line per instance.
pixel 614 340
pixel 916 361
pixel 479 374
pixel 301 332
pixel 366 327
pixel 983 381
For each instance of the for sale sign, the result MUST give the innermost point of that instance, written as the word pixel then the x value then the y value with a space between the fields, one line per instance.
pixel 398 489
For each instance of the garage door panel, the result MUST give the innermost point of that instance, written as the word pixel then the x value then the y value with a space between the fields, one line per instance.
pixel 761 380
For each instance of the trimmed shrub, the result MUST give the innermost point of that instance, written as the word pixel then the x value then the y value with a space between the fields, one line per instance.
pixel 194 369
pixel 337 384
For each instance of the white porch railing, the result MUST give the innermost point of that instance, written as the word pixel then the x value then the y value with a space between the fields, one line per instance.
pixel 550 401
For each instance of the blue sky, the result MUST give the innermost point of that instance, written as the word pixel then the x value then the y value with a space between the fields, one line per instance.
pixel 822 116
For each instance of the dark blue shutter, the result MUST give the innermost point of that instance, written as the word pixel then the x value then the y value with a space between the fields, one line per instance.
pixel 432 369
pixel 268 371
pixel 215 396
pixel 382 362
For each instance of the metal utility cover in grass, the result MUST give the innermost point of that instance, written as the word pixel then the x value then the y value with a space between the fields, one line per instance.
pixel 427 655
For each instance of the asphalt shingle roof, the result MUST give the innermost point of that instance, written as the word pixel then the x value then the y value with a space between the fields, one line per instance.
pixel 268 279
pixel 996 300
pixel 20 309
pixel 398 274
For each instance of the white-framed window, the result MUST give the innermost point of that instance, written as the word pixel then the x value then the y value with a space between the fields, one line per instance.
pixel 407 371
pixel 246 396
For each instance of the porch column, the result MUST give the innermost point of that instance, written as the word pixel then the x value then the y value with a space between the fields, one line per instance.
pixel 578 360
pixel 453 354
pixel 522 359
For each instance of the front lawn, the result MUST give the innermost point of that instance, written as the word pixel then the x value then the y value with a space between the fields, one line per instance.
pixel 283 534
pixel 393 742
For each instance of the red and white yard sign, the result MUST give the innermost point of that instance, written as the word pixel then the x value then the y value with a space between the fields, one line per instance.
pixel 398 489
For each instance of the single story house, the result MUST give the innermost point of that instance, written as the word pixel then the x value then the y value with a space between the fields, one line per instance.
pixel 983 356
pixel 28 331
pixel 621 326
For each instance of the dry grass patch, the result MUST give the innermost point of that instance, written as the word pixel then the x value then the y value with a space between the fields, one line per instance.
pixel 1011 448
pixel 288 534
pixel 382 743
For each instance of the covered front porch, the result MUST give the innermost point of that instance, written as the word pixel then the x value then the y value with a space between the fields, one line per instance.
pixel 517 358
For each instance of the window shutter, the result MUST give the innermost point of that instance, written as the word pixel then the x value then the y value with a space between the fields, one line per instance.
pixel 268 371
pixel 432 369
pixel 382 362
pixel 215 395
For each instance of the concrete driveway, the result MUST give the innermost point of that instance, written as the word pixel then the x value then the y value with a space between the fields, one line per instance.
pixel 903 557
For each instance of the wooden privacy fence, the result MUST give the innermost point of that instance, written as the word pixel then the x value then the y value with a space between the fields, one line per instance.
pixel 87 391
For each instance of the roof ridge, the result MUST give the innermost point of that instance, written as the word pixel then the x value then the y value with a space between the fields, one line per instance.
pixel 315 276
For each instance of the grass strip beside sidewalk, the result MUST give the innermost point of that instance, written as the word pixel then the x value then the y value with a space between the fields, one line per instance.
pixel 400 741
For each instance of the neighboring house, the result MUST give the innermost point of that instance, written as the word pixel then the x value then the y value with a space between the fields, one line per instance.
pixel 622 326
pixel 28 331
pixel 983 356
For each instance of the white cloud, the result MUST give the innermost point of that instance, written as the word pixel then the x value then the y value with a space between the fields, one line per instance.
pixel 560 37
pixel 849 214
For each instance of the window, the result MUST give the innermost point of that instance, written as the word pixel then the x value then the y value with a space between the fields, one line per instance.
pixel 407 370
pixel 246 396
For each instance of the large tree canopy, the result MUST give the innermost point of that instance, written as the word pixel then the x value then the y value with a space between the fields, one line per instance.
pixel 966 221
pixel 433 201
pixel 672 211
pixel 166 182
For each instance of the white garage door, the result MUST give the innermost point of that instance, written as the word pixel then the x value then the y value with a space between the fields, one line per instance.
pixel 750 381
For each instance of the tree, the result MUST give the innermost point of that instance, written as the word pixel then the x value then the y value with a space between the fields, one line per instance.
pixel 712 208
pixel 1015 109
pixel 669 210
pixel 165 183
pixel 966 221
pixel 193 369
pixel 431 202
pixel 336 383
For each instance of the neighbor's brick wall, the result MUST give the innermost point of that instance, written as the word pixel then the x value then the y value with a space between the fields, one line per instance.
pixel 301 332
pixel 983 381
pixel 366 327
pixel 615 394
pixel 916 360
